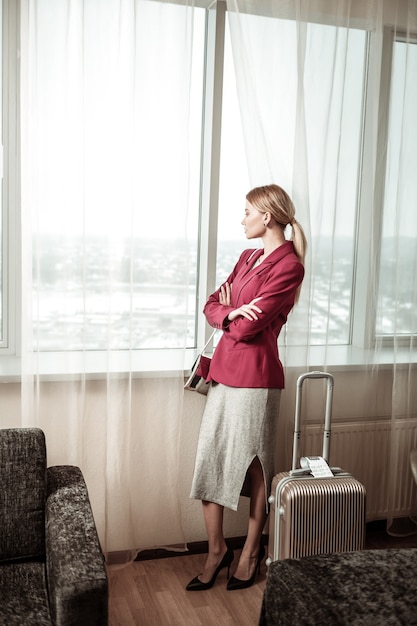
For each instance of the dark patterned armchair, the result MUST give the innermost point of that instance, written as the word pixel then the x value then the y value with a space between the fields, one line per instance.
pixel 51 566
pixel 376 587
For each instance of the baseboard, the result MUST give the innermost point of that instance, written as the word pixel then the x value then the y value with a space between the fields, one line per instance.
pixel 195 547
pixel 235 543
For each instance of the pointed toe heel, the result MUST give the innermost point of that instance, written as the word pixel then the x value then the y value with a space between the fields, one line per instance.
pixel 197 585
pixel 234 584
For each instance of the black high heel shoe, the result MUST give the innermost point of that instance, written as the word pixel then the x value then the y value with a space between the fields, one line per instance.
pixel 235 583
pixel 196 585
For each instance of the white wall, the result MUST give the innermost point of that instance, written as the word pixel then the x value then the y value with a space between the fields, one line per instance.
pixel 356 397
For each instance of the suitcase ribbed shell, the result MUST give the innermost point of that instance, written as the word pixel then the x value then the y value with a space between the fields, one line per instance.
pixel 315 515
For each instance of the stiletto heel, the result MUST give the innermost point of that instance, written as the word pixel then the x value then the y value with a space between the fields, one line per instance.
pixel 196 585
pixel 228 570
pixel 235 583
pixel 260 557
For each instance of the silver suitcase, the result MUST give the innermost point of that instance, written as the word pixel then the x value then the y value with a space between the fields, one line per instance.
pixel 312 515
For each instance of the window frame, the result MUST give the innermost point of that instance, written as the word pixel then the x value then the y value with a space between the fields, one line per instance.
pixel 390 37
pixel 10 344
pixel 371 194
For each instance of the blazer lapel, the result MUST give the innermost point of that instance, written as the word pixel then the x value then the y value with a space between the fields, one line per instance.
pixel 271 259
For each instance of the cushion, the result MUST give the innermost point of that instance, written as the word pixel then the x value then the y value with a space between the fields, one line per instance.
pixel 23 597
pixel 22 493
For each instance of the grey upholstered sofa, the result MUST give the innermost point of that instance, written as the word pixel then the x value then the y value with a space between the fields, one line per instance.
pixel 51 566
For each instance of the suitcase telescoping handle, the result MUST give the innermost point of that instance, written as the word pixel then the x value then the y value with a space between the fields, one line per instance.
pixel 327 418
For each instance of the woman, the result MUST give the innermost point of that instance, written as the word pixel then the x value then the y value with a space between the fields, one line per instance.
pixel 236 441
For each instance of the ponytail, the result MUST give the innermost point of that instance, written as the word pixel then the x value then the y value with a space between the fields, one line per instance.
pixel 299 240
pixel 300 247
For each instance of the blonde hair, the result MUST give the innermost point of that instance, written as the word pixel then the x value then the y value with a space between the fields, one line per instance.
pixel 274 200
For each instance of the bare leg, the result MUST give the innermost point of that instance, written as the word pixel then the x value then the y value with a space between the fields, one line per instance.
pixel 213 517
pixel 257 519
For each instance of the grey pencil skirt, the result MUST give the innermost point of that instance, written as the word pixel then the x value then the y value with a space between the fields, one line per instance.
pixel 238 425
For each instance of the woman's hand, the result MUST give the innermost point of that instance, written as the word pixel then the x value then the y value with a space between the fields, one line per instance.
pixel 225 295
pixel 246 310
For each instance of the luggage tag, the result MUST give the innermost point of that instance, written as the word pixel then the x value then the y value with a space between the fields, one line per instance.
pixel 317 466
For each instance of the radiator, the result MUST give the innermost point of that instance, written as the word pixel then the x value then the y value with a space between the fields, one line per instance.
pixel 378 455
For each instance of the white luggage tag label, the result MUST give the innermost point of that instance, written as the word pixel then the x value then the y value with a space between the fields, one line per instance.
pixel 317 465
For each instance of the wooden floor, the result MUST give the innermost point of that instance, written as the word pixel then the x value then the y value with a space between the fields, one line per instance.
pixel 152 592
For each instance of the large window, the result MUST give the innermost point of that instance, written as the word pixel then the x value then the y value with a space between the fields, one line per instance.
pixel 397 280
pixel 2 260
pixel 111 269
pixel 333 142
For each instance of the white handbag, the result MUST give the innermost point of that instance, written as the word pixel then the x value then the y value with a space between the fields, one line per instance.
pixel 197 380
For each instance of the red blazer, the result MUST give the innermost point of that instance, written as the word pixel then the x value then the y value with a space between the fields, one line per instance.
pixel 247 353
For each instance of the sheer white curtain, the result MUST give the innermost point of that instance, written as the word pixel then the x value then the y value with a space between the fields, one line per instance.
pixel 326 92
pixel 108 161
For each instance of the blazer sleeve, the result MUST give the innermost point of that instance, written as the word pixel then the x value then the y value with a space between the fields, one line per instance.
pixel 276 286
pixel 215 312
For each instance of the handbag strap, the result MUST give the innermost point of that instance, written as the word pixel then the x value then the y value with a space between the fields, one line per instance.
pixel 208 340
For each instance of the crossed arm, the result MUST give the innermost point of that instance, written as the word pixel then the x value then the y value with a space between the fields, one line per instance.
pixel 249 310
